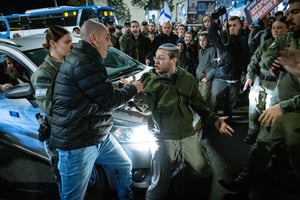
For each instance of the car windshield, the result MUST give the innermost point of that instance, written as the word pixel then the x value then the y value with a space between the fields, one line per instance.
pixel 117 63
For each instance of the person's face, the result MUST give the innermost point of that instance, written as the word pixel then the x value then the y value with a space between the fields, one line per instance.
pixel 188 38
pixel 10 64
pixel 278 29
pixel 207 23
pixel 111 26
pixel 167 28
pixel 245 24
pixel 127 28
pixel 102 42
pixel 195 28
pixel 293 16
pixel 203 41
pixel 180 47
pixel 11 68
pixel 135 28
pixel 151 28
pixel 63 46
pixel 77 31
pixel 163 64
pixel 119 30
pixel 181 30
pixel 234 26
pixel 144 29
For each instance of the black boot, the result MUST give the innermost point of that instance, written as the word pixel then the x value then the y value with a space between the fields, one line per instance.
pixel 251 137
pixel 241 184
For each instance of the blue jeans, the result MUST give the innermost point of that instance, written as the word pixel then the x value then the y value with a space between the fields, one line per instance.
pixel 75 167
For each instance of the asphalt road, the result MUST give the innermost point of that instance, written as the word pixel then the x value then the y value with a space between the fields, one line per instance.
pixel 28 179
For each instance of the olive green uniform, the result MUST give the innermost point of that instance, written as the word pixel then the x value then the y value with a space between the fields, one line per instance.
pixel 43 82
pixel 286 132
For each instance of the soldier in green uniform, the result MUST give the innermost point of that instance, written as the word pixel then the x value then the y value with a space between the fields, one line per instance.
pixel 280 123
pixel 261 81
pixel 59 43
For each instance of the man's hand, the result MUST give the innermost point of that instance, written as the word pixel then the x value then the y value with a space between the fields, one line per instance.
pixel 139 86
pixel 223 127
pixel 270 116
pixel 248 83
pixel 289 58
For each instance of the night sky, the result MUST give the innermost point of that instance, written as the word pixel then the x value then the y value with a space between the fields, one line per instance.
pixel 19 6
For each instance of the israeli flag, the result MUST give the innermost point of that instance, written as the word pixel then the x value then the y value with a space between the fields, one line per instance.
pixel 165 14
pixel 183 14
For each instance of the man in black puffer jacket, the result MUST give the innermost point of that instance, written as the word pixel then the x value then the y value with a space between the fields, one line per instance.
pixel 83 101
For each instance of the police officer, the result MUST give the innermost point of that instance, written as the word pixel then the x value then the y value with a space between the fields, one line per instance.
pixel 59 43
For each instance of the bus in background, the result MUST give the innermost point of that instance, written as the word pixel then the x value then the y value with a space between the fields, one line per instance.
pixel 4 28
pixel 38 20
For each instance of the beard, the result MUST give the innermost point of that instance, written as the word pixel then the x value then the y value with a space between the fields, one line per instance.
pixel 13 73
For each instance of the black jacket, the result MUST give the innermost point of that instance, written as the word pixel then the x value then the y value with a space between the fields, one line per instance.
pixel 234 53
pixel 83 100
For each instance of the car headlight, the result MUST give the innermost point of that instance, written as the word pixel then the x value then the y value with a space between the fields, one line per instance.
pixel 137 134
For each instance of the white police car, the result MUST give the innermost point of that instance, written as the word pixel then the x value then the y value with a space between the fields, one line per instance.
pixel 18 108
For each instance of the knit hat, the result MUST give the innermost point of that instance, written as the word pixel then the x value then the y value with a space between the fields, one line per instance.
pixel 168 47
pixel 180 40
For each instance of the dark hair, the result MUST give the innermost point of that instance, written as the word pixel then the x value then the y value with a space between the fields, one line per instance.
pixel 294 1
pixel 282 19
pixel 54 33
pixel 233 18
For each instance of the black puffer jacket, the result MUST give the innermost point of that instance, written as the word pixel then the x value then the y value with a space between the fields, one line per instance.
pixel 83 100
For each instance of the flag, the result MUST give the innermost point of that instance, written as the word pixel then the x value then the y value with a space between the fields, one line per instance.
pixel 165 14
pixel 183 14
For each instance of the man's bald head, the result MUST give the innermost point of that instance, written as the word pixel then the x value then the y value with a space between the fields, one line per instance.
pixel 91 26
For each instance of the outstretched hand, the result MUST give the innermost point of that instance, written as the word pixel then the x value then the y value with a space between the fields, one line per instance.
pixel 139 86
pixel 223 127
pixel 126 82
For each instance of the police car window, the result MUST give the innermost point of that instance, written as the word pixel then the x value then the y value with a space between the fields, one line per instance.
pixel 37 55
pixel 21 72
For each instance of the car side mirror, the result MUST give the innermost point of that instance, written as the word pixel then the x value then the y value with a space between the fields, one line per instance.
pixel 21 90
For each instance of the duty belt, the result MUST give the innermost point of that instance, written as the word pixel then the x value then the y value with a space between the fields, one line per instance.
pixel 268 78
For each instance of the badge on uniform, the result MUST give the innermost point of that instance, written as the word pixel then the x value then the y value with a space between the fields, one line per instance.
pixel 41 92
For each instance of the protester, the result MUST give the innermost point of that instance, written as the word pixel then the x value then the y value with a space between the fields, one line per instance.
pixel 235 56
pixel 172 95
pixel 83 101
pixel 208 58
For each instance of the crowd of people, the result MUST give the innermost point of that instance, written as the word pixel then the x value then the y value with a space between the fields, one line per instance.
pixel 198 71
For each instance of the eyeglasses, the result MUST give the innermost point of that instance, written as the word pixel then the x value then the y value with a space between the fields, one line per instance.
pixel 160 59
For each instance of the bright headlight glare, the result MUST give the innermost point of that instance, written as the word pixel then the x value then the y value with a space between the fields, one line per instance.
pixel 133 135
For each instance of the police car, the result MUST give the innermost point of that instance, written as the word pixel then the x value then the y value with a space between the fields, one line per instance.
pixel 18 108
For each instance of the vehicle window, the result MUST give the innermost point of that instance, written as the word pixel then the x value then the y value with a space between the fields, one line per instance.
pixel 37 55
pixel 14 69
pixel 120 64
